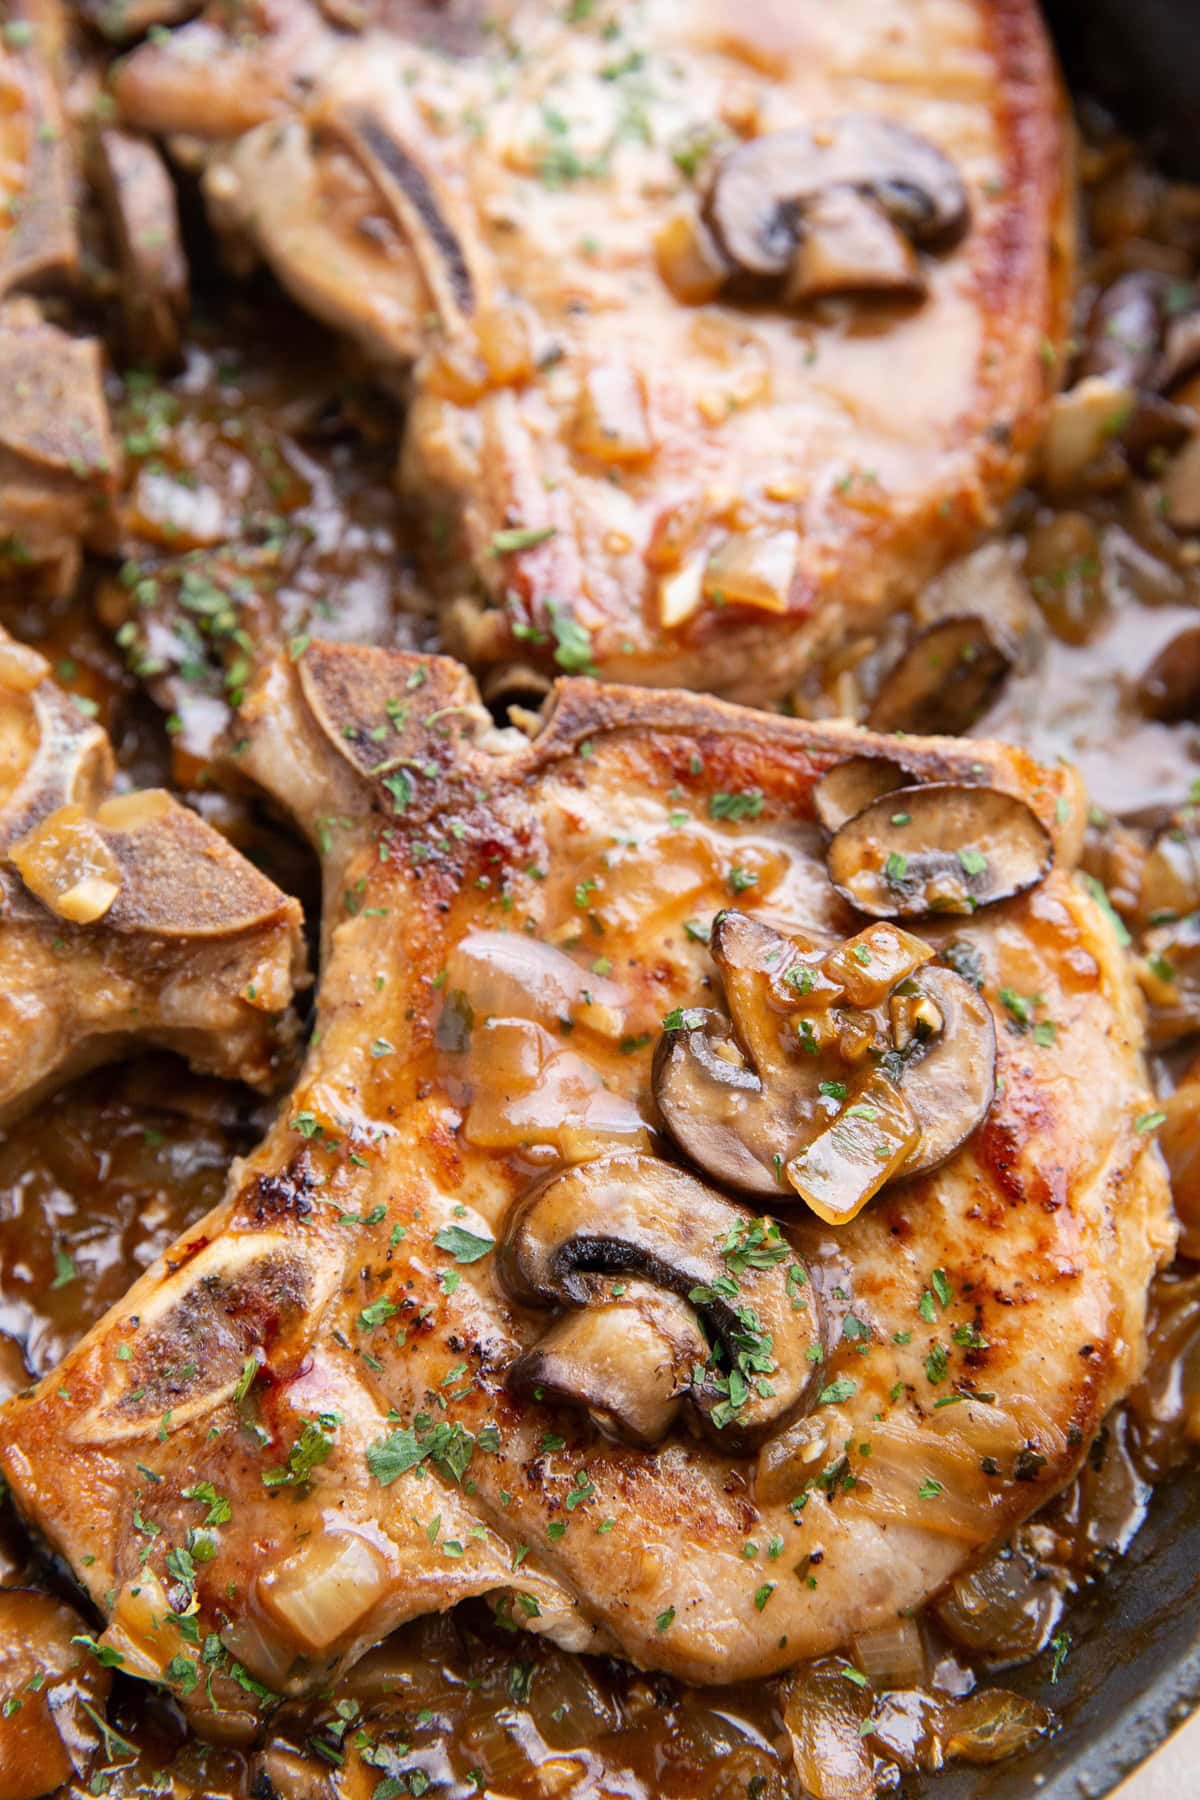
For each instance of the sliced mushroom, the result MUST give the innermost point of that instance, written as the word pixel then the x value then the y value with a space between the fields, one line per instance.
pixel 949 1076
pixel 850 246
pixel 944 682
pixel 1169 886
pixel 836 1073
pixel 763 192
pixel 1124 329
pixel 1169 687
pixel 638 1216
pixel 850 786
pixel 941 848
pixel 626 1355
pixel 1181 487
pixel 139 200
pixel 1181 351
pixel 1169 974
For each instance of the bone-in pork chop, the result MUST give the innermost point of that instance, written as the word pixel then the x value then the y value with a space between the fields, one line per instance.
pixel 642 1199
pixel 727 324
pixel 124 918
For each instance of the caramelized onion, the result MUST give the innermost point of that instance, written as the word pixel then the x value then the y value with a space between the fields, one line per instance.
pixel 67 865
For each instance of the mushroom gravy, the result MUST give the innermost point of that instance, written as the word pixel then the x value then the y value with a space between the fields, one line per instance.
pixel 106 1174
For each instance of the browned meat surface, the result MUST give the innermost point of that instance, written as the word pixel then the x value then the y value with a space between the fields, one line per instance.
pixel 125 918
pixel 318 1383
pixel 696 393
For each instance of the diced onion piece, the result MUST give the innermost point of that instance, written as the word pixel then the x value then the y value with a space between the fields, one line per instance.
pixel 67 865
pixel 992 1724
pixel 21 669
pixel 753 570
pixel 786 1462
pixel 824 1715
pixel 907 1463
pixel 1083 422
pixel 1006 1608
pixel 689 259
pixel 893 1656
pixel 141 1628
pixel 125 812
pixel 526 1090
pixel 506 975
pixel 680 593
pixel 503 336
pixel 868 1143
pixel 611 422
pixel 326 1588
pixel 870 964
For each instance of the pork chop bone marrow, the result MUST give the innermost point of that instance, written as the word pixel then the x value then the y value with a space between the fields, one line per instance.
pixel 123 917
pixel 509 921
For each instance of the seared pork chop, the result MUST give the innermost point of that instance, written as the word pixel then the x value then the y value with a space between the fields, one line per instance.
pixel 486 1313
pixel 727 325
pixel 124 918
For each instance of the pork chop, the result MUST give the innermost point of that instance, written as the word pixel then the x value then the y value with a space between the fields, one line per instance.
pixel 383 1374
pixel 726 325
pixel 124 918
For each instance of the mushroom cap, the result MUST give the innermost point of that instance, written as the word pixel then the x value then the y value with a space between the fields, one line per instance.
pixel 939 848
pixel 633 1214
pixel 949 1080
pixel 945 680
pixel 762 189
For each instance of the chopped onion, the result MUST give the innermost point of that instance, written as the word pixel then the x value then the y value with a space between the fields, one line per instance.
pixel 125 812
pixel 505 975
pixel 893 1656
pixel 21 669
pixel 326 1588
pixel 823 1713
pixel 611 421
pixel 753 570
pixel 904 1461
pixel 992 1724
pixel 67 865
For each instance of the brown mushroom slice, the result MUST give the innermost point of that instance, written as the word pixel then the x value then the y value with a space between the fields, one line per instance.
pixel 715 1106
pixel 1169 975
pixel 762 191
pixel 1169 688
pixel 1181 351
pixel 850 786
pixel 1170 873
pixel 139 199
pixel 869 1143
pixel 626 1356
pixel 941 848
pixel 945 681
pixel 48 1681
pixel 949 1068
pixel 1124 329
pixel 850 246
pixel 1181 487
pixel 637 1215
